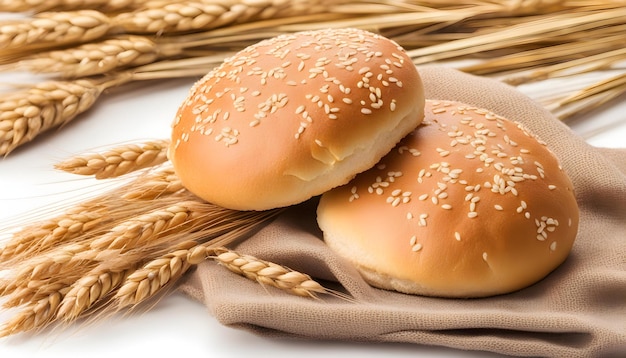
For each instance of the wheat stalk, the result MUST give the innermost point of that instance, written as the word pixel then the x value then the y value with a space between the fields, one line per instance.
pixel 603 60
pixel 527 32
pixel 588 98
pixel 117 161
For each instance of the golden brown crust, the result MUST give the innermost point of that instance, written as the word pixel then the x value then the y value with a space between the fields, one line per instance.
pixel 293 116
pixel 468 205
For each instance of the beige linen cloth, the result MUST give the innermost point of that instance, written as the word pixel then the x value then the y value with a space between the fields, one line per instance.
pixel 579 310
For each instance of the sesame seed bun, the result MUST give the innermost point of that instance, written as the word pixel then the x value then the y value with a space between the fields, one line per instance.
pixel 468 205
pixel 294 116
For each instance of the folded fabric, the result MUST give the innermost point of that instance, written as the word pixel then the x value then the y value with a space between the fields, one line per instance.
pixel 579 310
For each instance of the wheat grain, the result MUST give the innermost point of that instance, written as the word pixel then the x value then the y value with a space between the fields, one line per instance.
pixel 52 29
pixel 117 161
pixel 29 112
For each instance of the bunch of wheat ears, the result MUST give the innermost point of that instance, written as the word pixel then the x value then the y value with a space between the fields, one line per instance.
pixel 119 249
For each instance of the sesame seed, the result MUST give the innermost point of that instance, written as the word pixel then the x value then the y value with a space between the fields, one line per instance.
pixel 422 220
pixel 457 236
pixel 472 214
pixel 446 206
pixel 553 246
pixel 416 247
pixel 484 256
pixel 366 111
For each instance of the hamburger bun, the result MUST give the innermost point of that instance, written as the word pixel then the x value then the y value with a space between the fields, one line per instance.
pixel 468 205
pixel 291 117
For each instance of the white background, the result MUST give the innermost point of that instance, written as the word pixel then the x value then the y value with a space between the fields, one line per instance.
pixel 177 325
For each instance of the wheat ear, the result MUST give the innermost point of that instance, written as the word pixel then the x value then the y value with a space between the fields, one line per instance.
pixel 44 235
pixel 196 15
pixel 17 295
pixel 153 185
pixel 64 5
pixel 64 258
pixel 35 315
pixel 153 276
pixel 117 161
pixel 88 291
pixel 51 29
pixel 81 222
pixel 29 112
pixel 265 272
pixel 146 229
pixel 95 58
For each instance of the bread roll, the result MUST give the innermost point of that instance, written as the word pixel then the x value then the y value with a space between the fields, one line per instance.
pixel 294 116
pixel 468 205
